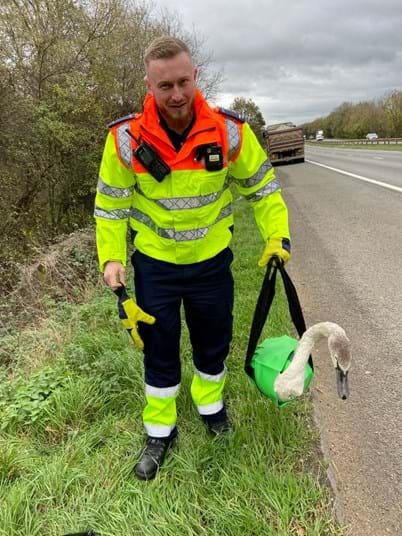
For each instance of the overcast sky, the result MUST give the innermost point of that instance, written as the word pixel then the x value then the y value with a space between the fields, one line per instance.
pixel 299 59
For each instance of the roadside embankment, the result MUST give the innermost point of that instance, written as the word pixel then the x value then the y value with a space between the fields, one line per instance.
pixel 71 397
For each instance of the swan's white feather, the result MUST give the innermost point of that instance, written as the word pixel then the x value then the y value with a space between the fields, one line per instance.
pixel 290 383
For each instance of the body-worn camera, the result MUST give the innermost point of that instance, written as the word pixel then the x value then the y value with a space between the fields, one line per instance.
pixel 212 155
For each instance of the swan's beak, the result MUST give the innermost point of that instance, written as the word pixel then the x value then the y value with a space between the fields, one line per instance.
pixel 342 383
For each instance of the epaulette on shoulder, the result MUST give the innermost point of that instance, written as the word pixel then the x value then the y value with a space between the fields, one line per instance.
pixel 231 113
pixel 121 120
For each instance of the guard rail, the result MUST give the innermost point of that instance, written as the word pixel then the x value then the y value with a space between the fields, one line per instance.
pixel 378 141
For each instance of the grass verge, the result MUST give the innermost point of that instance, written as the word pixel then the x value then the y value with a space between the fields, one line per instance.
pixel 71 398
pixel 375 147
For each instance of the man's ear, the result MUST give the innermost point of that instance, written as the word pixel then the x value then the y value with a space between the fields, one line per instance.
pixel 195 73
pixel 147 84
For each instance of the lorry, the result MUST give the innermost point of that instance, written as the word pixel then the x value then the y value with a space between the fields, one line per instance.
pixel 319 135
pixel 285 143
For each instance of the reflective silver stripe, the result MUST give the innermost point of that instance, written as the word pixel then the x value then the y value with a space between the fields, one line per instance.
pixel 159 430
pixel 124 145
pixel 210 409
pixel 211 377
pixel 256 178
pixel 183 203
pixel 179 236
pixel 116 214
pixel 114 191
pixel 267 190
pixel 161 392
pixel 233 135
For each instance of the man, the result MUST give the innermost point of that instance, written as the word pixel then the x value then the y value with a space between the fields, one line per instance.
pixel 166 173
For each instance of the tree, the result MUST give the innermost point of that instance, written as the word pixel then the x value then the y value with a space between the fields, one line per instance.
pixel 350 121
pixel 251 113
pixel 393 111
pixel 67 68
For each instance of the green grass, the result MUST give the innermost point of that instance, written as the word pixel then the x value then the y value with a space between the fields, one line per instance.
pixel 70 412
pixel 382 147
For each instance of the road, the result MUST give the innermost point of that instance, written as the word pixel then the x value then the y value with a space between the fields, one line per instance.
pixel 384 166
pixel 347 267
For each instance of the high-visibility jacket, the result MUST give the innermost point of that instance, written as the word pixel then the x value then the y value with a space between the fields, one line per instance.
pixel 187 217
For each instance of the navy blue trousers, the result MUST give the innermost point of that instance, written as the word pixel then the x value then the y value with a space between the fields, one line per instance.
pixel 206 291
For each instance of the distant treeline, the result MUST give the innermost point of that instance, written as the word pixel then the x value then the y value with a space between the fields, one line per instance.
pixel 67 68
pixel 353 121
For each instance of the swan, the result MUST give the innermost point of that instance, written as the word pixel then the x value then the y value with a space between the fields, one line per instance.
pixel 290 383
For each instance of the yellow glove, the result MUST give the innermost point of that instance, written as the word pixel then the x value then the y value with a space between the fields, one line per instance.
pixel 279 247
pixel 130 314
pixel 135 314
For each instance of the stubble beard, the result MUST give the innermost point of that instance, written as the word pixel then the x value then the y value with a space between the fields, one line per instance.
pixel 178 119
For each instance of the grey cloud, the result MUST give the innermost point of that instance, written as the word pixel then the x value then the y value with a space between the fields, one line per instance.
pixel 302 57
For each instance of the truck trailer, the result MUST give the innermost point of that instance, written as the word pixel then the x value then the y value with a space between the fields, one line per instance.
pixel 285 143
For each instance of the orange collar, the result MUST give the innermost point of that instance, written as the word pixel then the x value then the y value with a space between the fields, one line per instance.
pixel 205 129
pixel 204 115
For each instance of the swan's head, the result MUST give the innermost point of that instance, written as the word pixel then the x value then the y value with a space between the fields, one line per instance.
pixel 339 348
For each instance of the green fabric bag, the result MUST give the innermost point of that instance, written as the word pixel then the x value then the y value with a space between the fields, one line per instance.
pixel 271 357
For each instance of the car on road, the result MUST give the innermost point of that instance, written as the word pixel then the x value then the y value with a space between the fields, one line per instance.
pixel 371 136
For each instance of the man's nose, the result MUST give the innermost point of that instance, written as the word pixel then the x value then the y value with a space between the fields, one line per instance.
pixel 176 93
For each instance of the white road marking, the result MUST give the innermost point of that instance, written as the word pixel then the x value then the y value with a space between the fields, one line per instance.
pixel 360 177
pixel 378 158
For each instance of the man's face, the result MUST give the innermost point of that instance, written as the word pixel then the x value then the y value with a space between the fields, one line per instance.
pixel 172 82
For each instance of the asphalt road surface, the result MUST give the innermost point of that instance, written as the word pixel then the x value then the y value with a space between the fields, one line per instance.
pixel 347 267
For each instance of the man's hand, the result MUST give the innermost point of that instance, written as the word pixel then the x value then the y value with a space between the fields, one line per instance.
pixel 114 274
pixel 279 247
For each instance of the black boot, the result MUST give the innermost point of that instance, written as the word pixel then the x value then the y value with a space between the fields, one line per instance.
pixel 153 455
pixel 218 423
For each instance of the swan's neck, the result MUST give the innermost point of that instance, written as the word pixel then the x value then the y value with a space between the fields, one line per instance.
pixel 322 330
pixel 290 383
pixel 302 352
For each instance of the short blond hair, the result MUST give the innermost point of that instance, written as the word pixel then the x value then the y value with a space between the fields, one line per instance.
pixel 163 48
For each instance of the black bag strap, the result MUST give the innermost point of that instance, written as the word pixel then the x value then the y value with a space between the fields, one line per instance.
pixel 262 308
pixel 121 293
pixel 264 302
